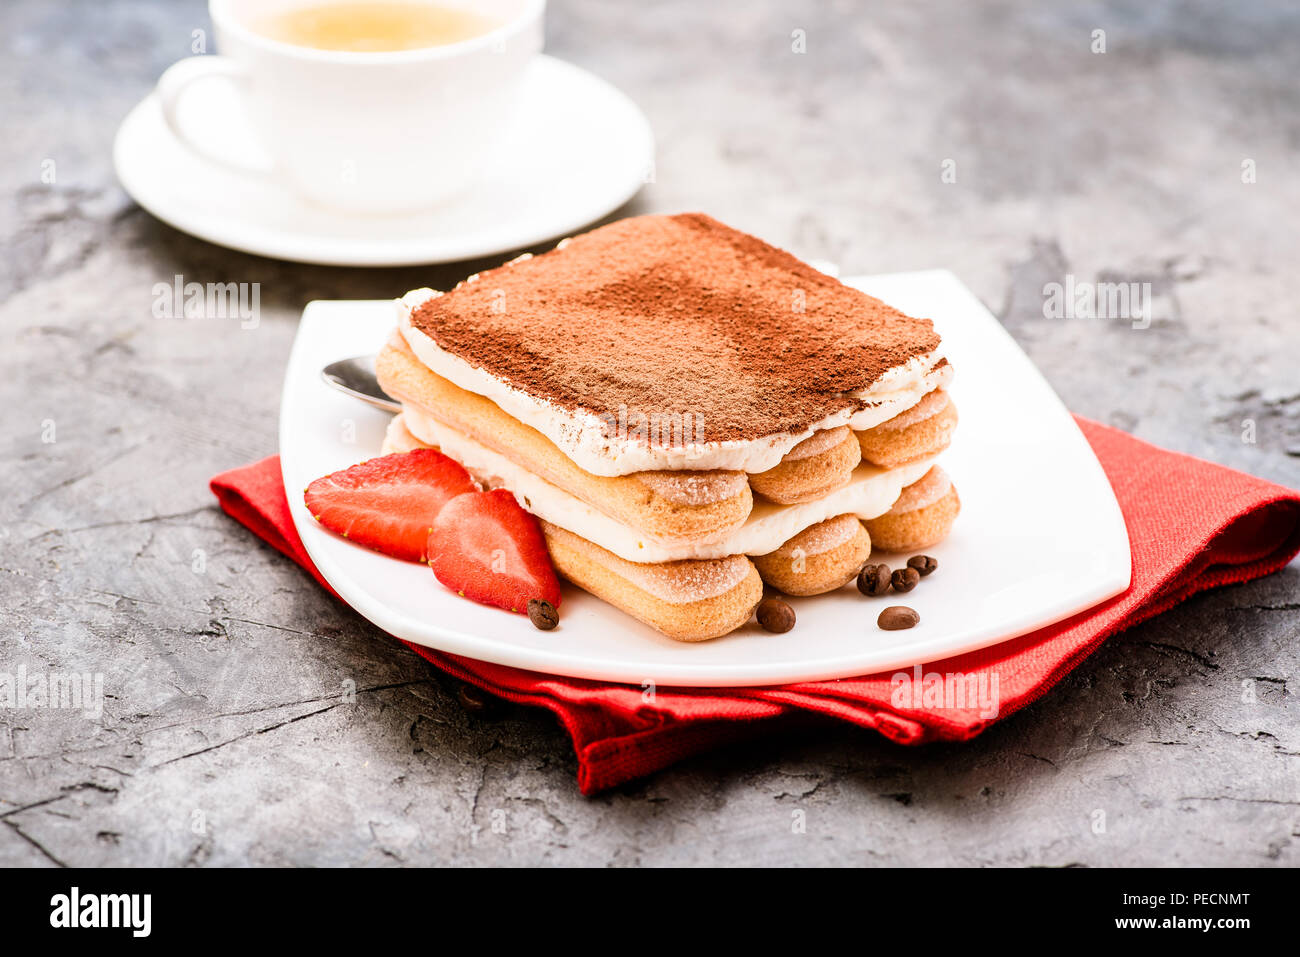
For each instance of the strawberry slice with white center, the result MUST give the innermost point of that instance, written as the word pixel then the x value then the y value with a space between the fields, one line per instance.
pixel 389 503
pixel 485 547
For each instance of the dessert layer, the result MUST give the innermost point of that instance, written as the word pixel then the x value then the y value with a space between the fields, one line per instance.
pixel 664 504
pixel 821 537
pixel 870 492
pixel 670 505
pixel 819 559
pixel 919 432
pixel 677 583
pixel 803 477
pixel 919 519
pixel 638 589
pixel 930 488
pixel 404 377
pixel 674 342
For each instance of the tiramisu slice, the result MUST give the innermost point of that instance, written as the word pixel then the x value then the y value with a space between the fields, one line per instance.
pixel 686 409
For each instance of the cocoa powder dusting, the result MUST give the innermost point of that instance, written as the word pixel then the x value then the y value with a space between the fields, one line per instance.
pixel 677 315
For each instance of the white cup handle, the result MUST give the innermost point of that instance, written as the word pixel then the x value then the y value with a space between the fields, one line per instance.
pixel 178 78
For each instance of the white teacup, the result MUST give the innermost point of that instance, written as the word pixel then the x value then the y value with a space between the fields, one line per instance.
pixel 364 132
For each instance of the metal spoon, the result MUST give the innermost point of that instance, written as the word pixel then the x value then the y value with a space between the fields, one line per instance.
pixel 356 377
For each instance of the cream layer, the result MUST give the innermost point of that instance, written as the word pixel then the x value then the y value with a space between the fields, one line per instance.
pixel 870 492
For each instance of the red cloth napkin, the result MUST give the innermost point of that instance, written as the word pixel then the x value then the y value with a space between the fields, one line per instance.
pixel 1192 525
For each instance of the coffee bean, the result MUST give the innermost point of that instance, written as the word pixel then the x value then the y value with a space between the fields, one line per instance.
pixel 542 614
pixel 775 615
pixel 873 579
pixel 904 579
pixel 897 617
pixel 475 700
pixel 924 564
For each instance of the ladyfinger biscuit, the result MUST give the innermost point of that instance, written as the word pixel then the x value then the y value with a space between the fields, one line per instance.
pixel 669 506
pixel 819 559
pixel 685 600
pixel 919 432
pixel 922 516
pixel 819 464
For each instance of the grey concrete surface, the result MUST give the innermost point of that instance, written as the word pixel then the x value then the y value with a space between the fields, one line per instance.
pixel 223 739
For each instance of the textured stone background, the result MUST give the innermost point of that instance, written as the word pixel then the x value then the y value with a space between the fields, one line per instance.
pixel 224 684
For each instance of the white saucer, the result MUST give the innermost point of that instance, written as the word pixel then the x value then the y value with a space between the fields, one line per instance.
pixel 1040 536
pixel 579 150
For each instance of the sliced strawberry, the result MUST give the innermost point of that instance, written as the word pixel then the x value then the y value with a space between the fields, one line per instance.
pixel 485 547
pixel 389 503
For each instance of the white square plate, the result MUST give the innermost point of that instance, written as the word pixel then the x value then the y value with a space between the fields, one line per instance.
pixel 1040 536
